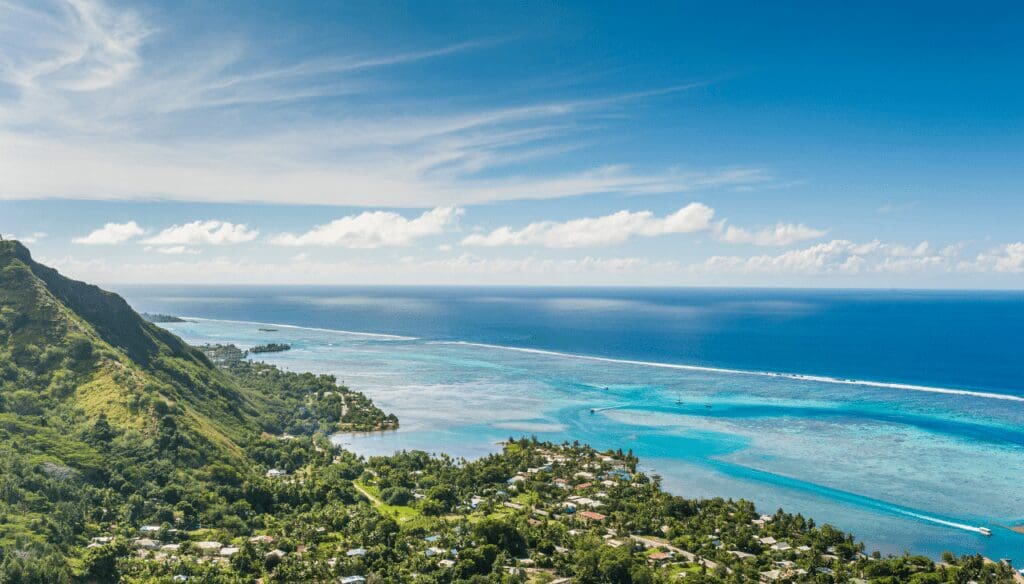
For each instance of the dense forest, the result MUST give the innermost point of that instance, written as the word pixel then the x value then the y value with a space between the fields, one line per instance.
pixel 126 455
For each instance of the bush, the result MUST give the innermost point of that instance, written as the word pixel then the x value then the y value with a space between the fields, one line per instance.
pixel 396 496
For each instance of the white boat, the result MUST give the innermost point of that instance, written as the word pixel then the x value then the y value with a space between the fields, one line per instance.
pixel 985 531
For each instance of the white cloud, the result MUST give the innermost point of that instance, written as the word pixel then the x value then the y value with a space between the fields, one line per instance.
pixel 1005 259
pixel 204 233
pixel 779 234
pixel 372 229
pixel 26 239
pixel 111 234
pixel 176 250
pixel 595 231
pixel 838 256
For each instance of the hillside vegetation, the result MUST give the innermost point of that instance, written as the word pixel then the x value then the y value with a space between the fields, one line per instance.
pixel 107 419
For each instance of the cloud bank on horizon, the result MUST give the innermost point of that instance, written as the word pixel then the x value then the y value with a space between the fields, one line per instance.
pixel 149 142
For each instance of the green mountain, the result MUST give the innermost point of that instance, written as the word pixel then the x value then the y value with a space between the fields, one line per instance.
pixel 108 421
pixel 70 347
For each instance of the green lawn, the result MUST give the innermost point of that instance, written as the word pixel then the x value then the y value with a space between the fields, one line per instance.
pixel 402 513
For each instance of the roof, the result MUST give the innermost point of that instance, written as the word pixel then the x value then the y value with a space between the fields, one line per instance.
pixel 592 515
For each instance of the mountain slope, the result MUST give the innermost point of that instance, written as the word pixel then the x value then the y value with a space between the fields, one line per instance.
pixel 80 346
pixel 108 422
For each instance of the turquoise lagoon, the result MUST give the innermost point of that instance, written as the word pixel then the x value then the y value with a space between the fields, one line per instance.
pixel 905 467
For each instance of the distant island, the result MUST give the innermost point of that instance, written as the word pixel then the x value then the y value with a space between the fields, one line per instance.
pixel 161 318
pixel 271 348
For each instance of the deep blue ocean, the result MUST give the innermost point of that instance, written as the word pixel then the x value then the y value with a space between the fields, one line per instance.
pixel 898 415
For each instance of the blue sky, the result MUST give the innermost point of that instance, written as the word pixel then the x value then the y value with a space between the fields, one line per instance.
pixel 780 144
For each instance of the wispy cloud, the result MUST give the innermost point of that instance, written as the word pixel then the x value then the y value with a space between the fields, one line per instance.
pixel 129 114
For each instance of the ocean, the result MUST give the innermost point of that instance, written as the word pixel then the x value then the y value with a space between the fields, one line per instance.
pixel 896 415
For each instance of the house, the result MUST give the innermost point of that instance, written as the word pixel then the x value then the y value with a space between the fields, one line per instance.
pixel 263 539
pixel 170 548
pixel 446 563
pixel 767 540
pixel 782 546
pixel 276 553
pixel 583 486
pixel 275 473
pixel 742 555
pixel 227 552
pixel 356 552
pixel 146 543
pixel 658 557
pixel 592 516
pixel 352 580
pixel 209 547
pixel 435 551
pixel 149 529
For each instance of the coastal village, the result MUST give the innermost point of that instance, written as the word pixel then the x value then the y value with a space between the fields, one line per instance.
pixel 564 513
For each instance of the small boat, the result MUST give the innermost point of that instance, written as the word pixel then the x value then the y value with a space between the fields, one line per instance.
pixel 593 410
pixel 267 330
pixel 985 531
pixel 679 399
pixel 708 406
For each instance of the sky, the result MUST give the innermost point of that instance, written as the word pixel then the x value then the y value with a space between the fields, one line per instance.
pixel 797 144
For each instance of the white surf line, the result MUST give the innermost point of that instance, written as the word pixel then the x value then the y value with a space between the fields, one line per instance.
pixel 795 376
pixel 306 328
